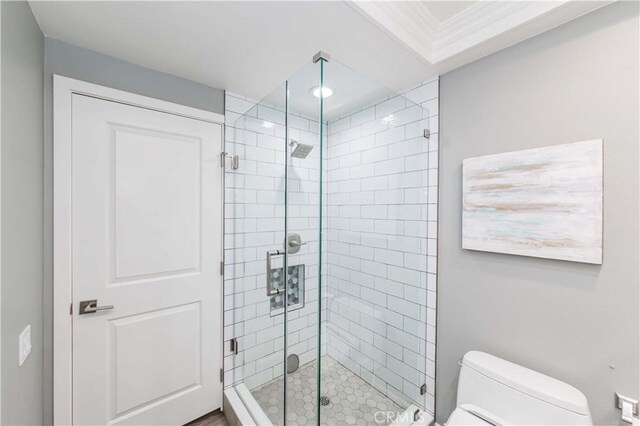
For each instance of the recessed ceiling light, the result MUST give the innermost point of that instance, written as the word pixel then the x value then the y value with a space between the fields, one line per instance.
pixel 326 91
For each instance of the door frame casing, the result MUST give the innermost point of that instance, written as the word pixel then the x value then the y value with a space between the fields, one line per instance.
pixel 63 90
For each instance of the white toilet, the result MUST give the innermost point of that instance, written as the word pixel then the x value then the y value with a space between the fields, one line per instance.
pixel 494 391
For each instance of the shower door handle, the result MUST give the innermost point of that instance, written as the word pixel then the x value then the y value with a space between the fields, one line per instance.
pixel 271 253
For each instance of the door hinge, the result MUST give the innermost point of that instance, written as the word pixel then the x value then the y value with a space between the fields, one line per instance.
pixel 233 346
pixel 423 389
pixel 222 374
pixel 223 156
pixel 427 134
pixel 222 267
pixel 71 309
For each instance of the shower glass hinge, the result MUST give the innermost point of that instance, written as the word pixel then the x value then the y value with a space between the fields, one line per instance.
pixel 222 267
pixel 416 415
pixel 233 346
pixel 423 389
pixel 235 160
pixel 222 374
pixel 427 134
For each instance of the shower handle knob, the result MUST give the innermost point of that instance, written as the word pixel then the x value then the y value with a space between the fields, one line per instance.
pixel 293 243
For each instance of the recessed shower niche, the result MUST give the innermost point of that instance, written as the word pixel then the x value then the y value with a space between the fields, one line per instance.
pixel 292 285
pixel 346 165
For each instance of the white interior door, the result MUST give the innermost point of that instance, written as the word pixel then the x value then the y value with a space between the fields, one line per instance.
pixel 146 226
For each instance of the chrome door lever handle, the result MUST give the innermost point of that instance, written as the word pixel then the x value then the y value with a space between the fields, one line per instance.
pixel 91 306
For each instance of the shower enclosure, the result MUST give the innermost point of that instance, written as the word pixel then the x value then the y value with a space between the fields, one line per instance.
pixel 330 251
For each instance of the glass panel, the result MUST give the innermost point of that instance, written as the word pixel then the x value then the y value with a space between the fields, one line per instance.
pixel 255 224
pixel 376 231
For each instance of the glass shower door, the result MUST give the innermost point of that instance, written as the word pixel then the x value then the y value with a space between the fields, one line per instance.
pixel 255 230
pixel 273 250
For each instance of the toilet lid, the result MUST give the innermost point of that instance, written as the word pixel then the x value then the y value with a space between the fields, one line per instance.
pixel 461 416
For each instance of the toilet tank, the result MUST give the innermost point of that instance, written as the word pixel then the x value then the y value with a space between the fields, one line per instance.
pixel 517 395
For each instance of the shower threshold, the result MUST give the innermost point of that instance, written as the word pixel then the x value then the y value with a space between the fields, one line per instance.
pixel 352 401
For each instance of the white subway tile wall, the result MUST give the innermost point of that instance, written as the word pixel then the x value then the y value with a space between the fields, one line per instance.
pixel 379 241
pixel 381 228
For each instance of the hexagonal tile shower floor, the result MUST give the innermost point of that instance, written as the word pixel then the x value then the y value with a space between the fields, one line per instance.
pixel 352 400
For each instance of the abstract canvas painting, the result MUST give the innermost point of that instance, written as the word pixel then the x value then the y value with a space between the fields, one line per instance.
pixel 542 202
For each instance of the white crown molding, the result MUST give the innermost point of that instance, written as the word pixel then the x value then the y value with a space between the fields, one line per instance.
pixel 486 26
pixel 408 22
pixel 488 20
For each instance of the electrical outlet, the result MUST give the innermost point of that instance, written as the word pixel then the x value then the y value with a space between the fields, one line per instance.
pixel 24 345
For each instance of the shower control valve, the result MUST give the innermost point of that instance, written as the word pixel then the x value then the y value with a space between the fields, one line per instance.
pixel 294 243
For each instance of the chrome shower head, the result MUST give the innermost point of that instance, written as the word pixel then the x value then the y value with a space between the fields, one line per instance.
pixel 300 150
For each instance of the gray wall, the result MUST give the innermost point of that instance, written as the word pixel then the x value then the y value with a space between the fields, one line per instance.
pixel 21 109
pixel 568 320
pixel 82 64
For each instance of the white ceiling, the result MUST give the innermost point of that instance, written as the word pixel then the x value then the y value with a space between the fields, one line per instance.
pixel 351 91
pixel 246 47
pixel 252 47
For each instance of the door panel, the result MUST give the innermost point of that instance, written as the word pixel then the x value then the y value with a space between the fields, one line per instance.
pixel 146 239
pixel 144 374
pixel 156 207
